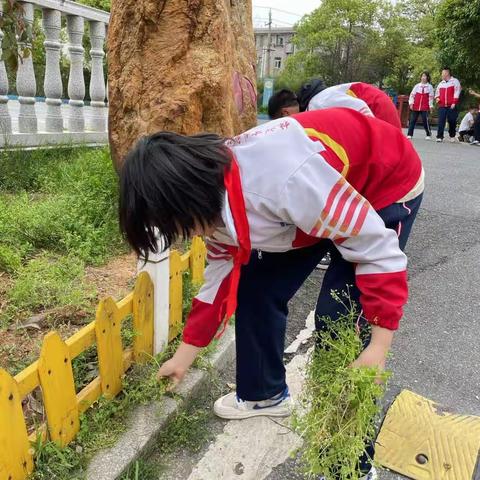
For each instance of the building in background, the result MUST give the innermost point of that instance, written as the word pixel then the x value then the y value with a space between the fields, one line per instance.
pixel 271 56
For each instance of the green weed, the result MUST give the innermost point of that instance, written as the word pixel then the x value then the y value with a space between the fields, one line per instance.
pixel 57 206
pixel 339 405
pixel 47 282
pixel 143 470
pixel 68 205
pixel 187 431
pixel 10 259
pixel 53 462
pixel 85 368
pixel 25 169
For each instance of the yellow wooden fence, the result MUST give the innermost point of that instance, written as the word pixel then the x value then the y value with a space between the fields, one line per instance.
pixel 53 373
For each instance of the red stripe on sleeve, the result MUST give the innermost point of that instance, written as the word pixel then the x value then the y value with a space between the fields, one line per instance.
pixel 350 212
pixel 331 198
pixel 340 206
pixel 361 218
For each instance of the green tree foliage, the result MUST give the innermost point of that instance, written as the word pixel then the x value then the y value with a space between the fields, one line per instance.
pixel 414 44
pixel 334 38
pixel 374 41
pixel 100 4
pixel 458 32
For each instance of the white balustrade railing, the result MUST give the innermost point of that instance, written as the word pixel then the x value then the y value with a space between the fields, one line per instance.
pixel 30 122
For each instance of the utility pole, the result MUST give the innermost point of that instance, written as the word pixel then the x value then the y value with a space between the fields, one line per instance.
pixel 269 43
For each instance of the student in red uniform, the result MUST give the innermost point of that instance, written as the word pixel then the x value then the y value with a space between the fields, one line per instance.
pixel 364 98
pixel 271 202
pixel 421 102
pixel 314 95
pixel 447 97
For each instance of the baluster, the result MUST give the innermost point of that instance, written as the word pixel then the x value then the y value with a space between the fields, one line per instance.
pixel 5 120
pixel 97 82
pixel 26 84
pixel 52 22
pixel 76 82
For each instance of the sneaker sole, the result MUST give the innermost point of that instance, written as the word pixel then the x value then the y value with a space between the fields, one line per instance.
pixel 253 414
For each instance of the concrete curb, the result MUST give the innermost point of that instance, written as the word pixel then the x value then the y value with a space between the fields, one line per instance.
pixel 148 422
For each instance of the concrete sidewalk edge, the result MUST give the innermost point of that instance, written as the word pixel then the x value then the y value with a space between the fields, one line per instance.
pixel 148 421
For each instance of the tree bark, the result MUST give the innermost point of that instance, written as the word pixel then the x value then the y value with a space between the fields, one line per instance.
pixel 186 66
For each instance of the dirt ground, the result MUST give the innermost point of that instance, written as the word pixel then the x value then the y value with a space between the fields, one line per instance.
pixel 20 345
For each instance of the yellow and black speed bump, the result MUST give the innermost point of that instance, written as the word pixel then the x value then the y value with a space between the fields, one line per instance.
pixel 423 441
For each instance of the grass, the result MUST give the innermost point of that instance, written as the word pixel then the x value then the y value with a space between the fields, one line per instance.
pixel 58 214
pixel 143 470
pixel 338 408
pixel 47 281
pixel 63 201
pixel 187 432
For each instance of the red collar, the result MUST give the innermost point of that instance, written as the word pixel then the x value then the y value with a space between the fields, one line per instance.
pixel 241 255
pixel 233 185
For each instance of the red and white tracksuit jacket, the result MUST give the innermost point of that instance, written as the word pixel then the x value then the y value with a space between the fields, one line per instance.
pixel 363 97
pixel 421 97
pixel 448 92
pixel 295 180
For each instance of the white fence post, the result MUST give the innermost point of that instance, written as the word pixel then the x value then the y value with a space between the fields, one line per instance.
pixel 158 267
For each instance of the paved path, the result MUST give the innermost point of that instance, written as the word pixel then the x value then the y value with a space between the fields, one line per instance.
pixel 436 351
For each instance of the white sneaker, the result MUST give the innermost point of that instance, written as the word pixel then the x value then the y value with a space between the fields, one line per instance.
pixel 439 140
pixel 231 407
pixel 324 262
pixel 428 137
pixel 371 475
pixel 409 137
pixel 453 140
pixel 475 142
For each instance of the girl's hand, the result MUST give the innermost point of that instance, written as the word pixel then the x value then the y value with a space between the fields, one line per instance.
pixel 375 355
pixel 172 369
pixel 178 365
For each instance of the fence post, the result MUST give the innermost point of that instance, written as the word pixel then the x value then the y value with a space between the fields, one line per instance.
pixel 143 297
pixel 197 260
pixel 158 267
pixel 58 389
pixel 108 329
pixel 15 455
pixel 176 294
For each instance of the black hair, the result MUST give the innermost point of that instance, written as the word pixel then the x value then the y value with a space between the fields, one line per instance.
pixel 427 74
pixel 447 68
pixel 308 91
pixel 170 184
pixel 281 99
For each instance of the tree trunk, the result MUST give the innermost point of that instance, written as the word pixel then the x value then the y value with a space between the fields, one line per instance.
pixel 186 66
